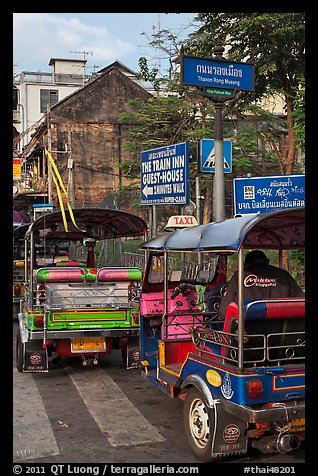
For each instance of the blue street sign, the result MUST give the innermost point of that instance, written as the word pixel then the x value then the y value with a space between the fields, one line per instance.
pixel 207 159
pixel 216 73
pixel 266 194
pixel 164 174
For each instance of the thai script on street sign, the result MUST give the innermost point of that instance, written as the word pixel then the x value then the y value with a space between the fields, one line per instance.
pixel 265 194
pixel 216 73
pixel 164 175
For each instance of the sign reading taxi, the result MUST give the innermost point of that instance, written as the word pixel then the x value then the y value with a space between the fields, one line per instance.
pixel 180 221
pixel 164 174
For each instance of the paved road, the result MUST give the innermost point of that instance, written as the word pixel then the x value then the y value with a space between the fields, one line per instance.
pixel 105 413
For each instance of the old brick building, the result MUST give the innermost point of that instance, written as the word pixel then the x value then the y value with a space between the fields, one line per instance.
pixel 86 139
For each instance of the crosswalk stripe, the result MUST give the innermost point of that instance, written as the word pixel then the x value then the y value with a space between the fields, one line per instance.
pixel 113 412
pixel 33 434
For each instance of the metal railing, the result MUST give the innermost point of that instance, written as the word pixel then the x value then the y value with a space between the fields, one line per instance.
pixel 258 348
pixel 92 295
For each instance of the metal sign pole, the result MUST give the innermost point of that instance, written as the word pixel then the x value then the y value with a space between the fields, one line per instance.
pixel 219 79
pixel 154 221
pixel 218 184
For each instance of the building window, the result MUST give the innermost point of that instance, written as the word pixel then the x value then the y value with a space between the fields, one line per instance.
pixel 48 97
pixel 15 98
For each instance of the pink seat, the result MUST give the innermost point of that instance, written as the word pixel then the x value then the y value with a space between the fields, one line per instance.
pixel 119 274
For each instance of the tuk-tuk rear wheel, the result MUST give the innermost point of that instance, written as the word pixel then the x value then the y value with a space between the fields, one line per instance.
pixel 199 424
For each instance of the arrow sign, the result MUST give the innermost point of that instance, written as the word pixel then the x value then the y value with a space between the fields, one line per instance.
pixel 208 156
pixel 164 175
pixel 147 191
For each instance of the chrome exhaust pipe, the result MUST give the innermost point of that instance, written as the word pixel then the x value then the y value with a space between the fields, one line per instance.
pixel 272 444
pixel 287 442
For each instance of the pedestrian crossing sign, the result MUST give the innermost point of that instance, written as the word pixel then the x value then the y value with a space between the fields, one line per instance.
pixel 207 156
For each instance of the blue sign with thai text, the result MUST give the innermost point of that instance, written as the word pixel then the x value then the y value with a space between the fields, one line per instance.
pixel 164 175
pixel 266 194
pixel 218 74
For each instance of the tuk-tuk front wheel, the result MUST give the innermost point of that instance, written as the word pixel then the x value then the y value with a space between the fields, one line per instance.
pixel 199 422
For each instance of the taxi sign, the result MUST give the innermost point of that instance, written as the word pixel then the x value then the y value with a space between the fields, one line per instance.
pixel 180 221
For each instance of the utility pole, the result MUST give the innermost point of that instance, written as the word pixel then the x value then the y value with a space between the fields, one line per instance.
pixel 49 148
pixel 70 166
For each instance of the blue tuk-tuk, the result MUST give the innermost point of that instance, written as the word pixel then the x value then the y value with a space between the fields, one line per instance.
pixel 242 377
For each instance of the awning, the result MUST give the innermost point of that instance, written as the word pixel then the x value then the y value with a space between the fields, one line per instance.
pixel 281 229
pixel 99 223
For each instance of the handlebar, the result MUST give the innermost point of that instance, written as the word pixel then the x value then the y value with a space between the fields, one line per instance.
pixel 182 288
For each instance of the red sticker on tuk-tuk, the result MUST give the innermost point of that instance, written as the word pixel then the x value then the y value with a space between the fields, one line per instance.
pixel 231 433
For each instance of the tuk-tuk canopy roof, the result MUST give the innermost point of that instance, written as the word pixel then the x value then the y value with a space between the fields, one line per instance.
pixel 281 229
pixel 20 218
pixel 20 231
pixel 99 223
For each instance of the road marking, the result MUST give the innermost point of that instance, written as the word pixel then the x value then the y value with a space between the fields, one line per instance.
pixel 113 412
pixel 33 435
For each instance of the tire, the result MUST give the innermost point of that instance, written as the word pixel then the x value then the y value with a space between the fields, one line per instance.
pixel 19 353
pixel 199 423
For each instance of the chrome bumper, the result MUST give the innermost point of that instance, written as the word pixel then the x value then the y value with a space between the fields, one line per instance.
pixel 295 409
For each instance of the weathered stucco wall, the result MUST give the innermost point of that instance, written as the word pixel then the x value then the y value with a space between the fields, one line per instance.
pixel 85 128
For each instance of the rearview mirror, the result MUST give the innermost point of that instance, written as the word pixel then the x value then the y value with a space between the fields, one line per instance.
pixel 89 242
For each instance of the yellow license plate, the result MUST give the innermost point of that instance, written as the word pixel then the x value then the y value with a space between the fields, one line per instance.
pixel 88 344
pixel 297 425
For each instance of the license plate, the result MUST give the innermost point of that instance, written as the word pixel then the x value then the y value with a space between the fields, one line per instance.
pixel 88 344
pixel 297 425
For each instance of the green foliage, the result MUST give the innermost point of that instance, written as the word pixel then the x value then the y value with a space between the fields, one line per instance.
pixel 160 121
pixel 148 75
pixel 299 113
pixel 275 42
